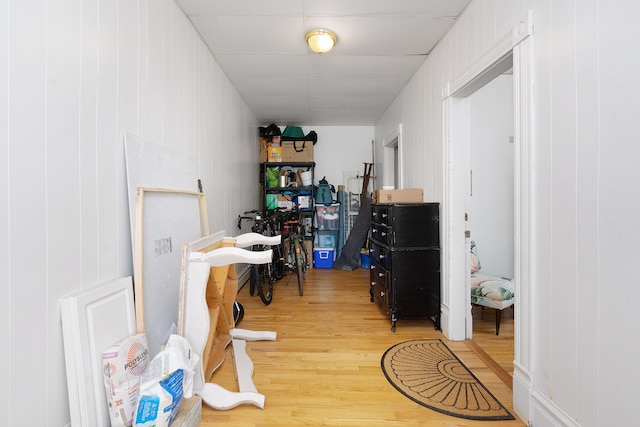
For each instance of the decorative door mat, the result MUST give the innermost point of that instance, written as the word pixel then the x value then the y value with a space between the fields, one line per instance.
pixel 427 372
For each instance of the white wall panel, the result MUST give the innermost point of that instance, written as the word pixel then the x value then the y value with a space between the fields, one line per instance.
pixel 27 174
pixel 563 206
pixel 588 139
pixel 585 159
pixel 617 202
pixel 89 39
pixel 63 187
pixel 80 74
pixel 5 230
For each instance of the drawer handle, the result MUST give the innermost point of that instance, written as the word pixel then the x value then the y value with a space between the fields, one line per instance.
pixel 384 215
pixel 374 231
pixel 375 213
pixel 373 283
pixel 381 256
pixel 383 234
pixel 380 274
pixel 382 294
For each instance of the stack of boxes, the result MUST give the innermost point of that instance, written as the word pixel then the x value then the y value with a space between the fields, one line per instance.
pixel 328 224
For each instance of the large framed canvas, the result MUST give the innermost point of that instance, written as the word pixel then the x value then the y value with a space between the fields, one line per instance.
pixel 165 221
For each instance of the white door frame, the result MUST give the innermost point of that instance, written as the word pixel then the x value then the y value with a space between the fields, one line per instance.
pixel 391 169
pixel 455 287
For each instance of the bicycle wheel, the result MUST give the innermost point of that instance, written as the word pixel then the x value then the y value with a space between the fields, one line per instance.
pixel 305 259
pixel 299 266
pixel 264 284
pixel 277 262
pixel 253 280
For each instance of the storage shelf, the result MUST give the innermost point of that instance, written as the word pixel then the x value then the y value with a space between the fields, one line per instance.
pixel 308 188
pixel 290 164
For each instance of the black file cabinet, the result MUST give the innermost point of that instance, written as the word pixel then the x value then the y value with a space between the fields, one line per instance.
pixel 405 260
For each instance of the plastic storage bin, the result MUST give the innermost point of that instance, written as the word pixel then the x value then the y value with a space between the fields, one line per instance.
pixel 328 217
pixel 323 258
pixel 327 239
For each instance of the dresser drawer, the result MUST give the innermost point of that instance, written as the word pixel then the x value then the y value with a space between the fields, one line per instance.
pixel 380 255
pixel 381 214
pixel 382 233
pixel 380 286
pixel 415 225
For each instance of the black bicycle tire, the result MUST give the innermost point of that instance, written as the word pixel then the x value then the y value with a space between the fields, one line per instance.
pixel 264 279
pixel 300 280
pixel 277 262
pixel 305 260
pixel 299 267
pixel 253 278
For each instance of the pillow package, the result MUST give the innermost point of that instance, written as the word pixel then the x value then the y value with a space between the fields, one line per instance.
pixel 122 367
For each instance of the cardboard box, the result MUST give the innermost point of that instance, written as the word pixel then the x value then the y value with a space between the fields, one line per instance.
pixel 297 151
pixel 264 145
pixel 274 153
pixel 406 195
pixel 269 152
pixel 285 202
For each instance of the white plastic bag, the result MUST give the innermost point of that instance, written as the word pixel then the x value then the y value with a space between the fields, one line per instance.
pixel 168 378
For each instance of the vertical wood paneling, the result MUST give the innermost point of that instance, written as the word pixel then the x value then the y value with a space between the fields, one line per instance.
pixel 618 228
pixel 585 158
pixel 128 104
pixel 87 143
pixel 105 162
pixel 78 75
pixel 587 177
pixel 5 219
pixel 563 205
pixel 62 172
pixel 27 174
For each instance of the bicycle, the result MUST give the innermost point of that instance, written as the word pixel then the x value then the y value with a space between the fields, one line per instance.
pixel 297 254
pixel 262 276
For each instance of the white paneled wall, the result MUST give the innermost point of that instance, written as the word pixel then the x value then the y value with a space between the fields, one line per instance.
pixel 75 76
pixel 583 321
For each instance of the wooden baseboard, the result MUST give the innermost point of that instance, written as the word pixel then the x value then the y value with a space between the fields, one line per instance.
pixel 504 376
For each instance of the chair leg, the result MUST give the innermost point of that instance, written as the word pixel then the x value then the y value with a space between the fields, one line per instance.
pixel 498 318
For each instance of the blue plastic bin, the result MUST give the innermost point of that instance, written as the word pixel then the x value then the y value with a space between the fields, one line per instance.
pixel 364 260
pixel 323 257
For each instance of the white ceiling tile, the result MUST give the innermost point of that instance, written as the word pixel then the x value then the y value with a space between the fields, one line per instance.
pixel 252 34
pixel 446 8
pixel 241 8
pixel 260 46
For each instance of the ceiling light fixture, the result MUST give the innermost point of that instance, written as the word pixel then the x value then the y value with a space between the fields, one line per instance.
pixel 321 41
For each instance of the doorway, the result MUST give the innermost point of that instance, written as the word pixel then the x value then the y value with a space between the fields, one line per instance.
pixel 392 160
pixel 466 136
pixel 517 53
pixel 491 207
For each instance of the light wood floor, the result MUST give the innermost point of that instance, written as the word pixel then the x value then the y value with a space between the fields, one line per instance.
pixel 324 368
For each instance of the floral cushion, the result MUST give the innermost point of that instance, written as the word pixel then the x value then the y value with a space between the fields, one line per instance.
pixel 487 289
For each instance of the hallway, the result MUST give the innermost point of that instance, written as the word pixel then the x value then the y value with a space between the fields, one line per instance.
pixel 324 368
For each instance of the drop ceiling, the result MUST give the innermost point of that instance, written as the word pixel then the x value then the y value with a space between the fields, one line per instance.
pixel 260 46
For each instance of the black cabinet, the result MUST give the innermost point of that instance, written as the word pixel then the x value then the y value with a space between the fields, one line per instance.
pixel 405 260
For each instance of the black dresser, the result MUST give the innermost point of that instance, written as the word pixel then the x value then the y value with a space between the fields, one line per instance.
pixel 405 260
